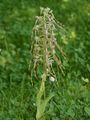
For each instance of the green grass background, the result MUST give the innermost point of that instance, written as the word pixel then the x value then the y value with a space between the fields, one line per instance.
pixel 72 94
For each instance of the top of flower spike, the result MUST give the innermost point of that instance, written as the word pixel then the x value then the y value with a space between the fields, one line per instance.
pixel 45 31
pixel 45 10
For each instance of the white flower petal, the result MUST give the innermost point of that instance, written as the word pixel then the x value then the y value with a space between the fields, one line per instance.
pixel 52 79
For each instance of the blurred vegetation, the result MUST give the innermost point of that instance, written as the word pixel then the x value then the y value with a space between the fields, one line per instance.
pixel 17 95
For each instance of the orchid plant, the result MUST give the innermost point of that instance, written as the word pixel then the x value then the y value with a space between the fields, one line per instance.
pixel 44 53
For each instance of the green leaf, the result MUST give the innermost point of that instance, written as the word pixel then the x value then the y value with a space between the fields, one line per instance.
pixel 71 112
pixel 2 61
pixel 45 102
pixel 87 110
pixel 88 67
